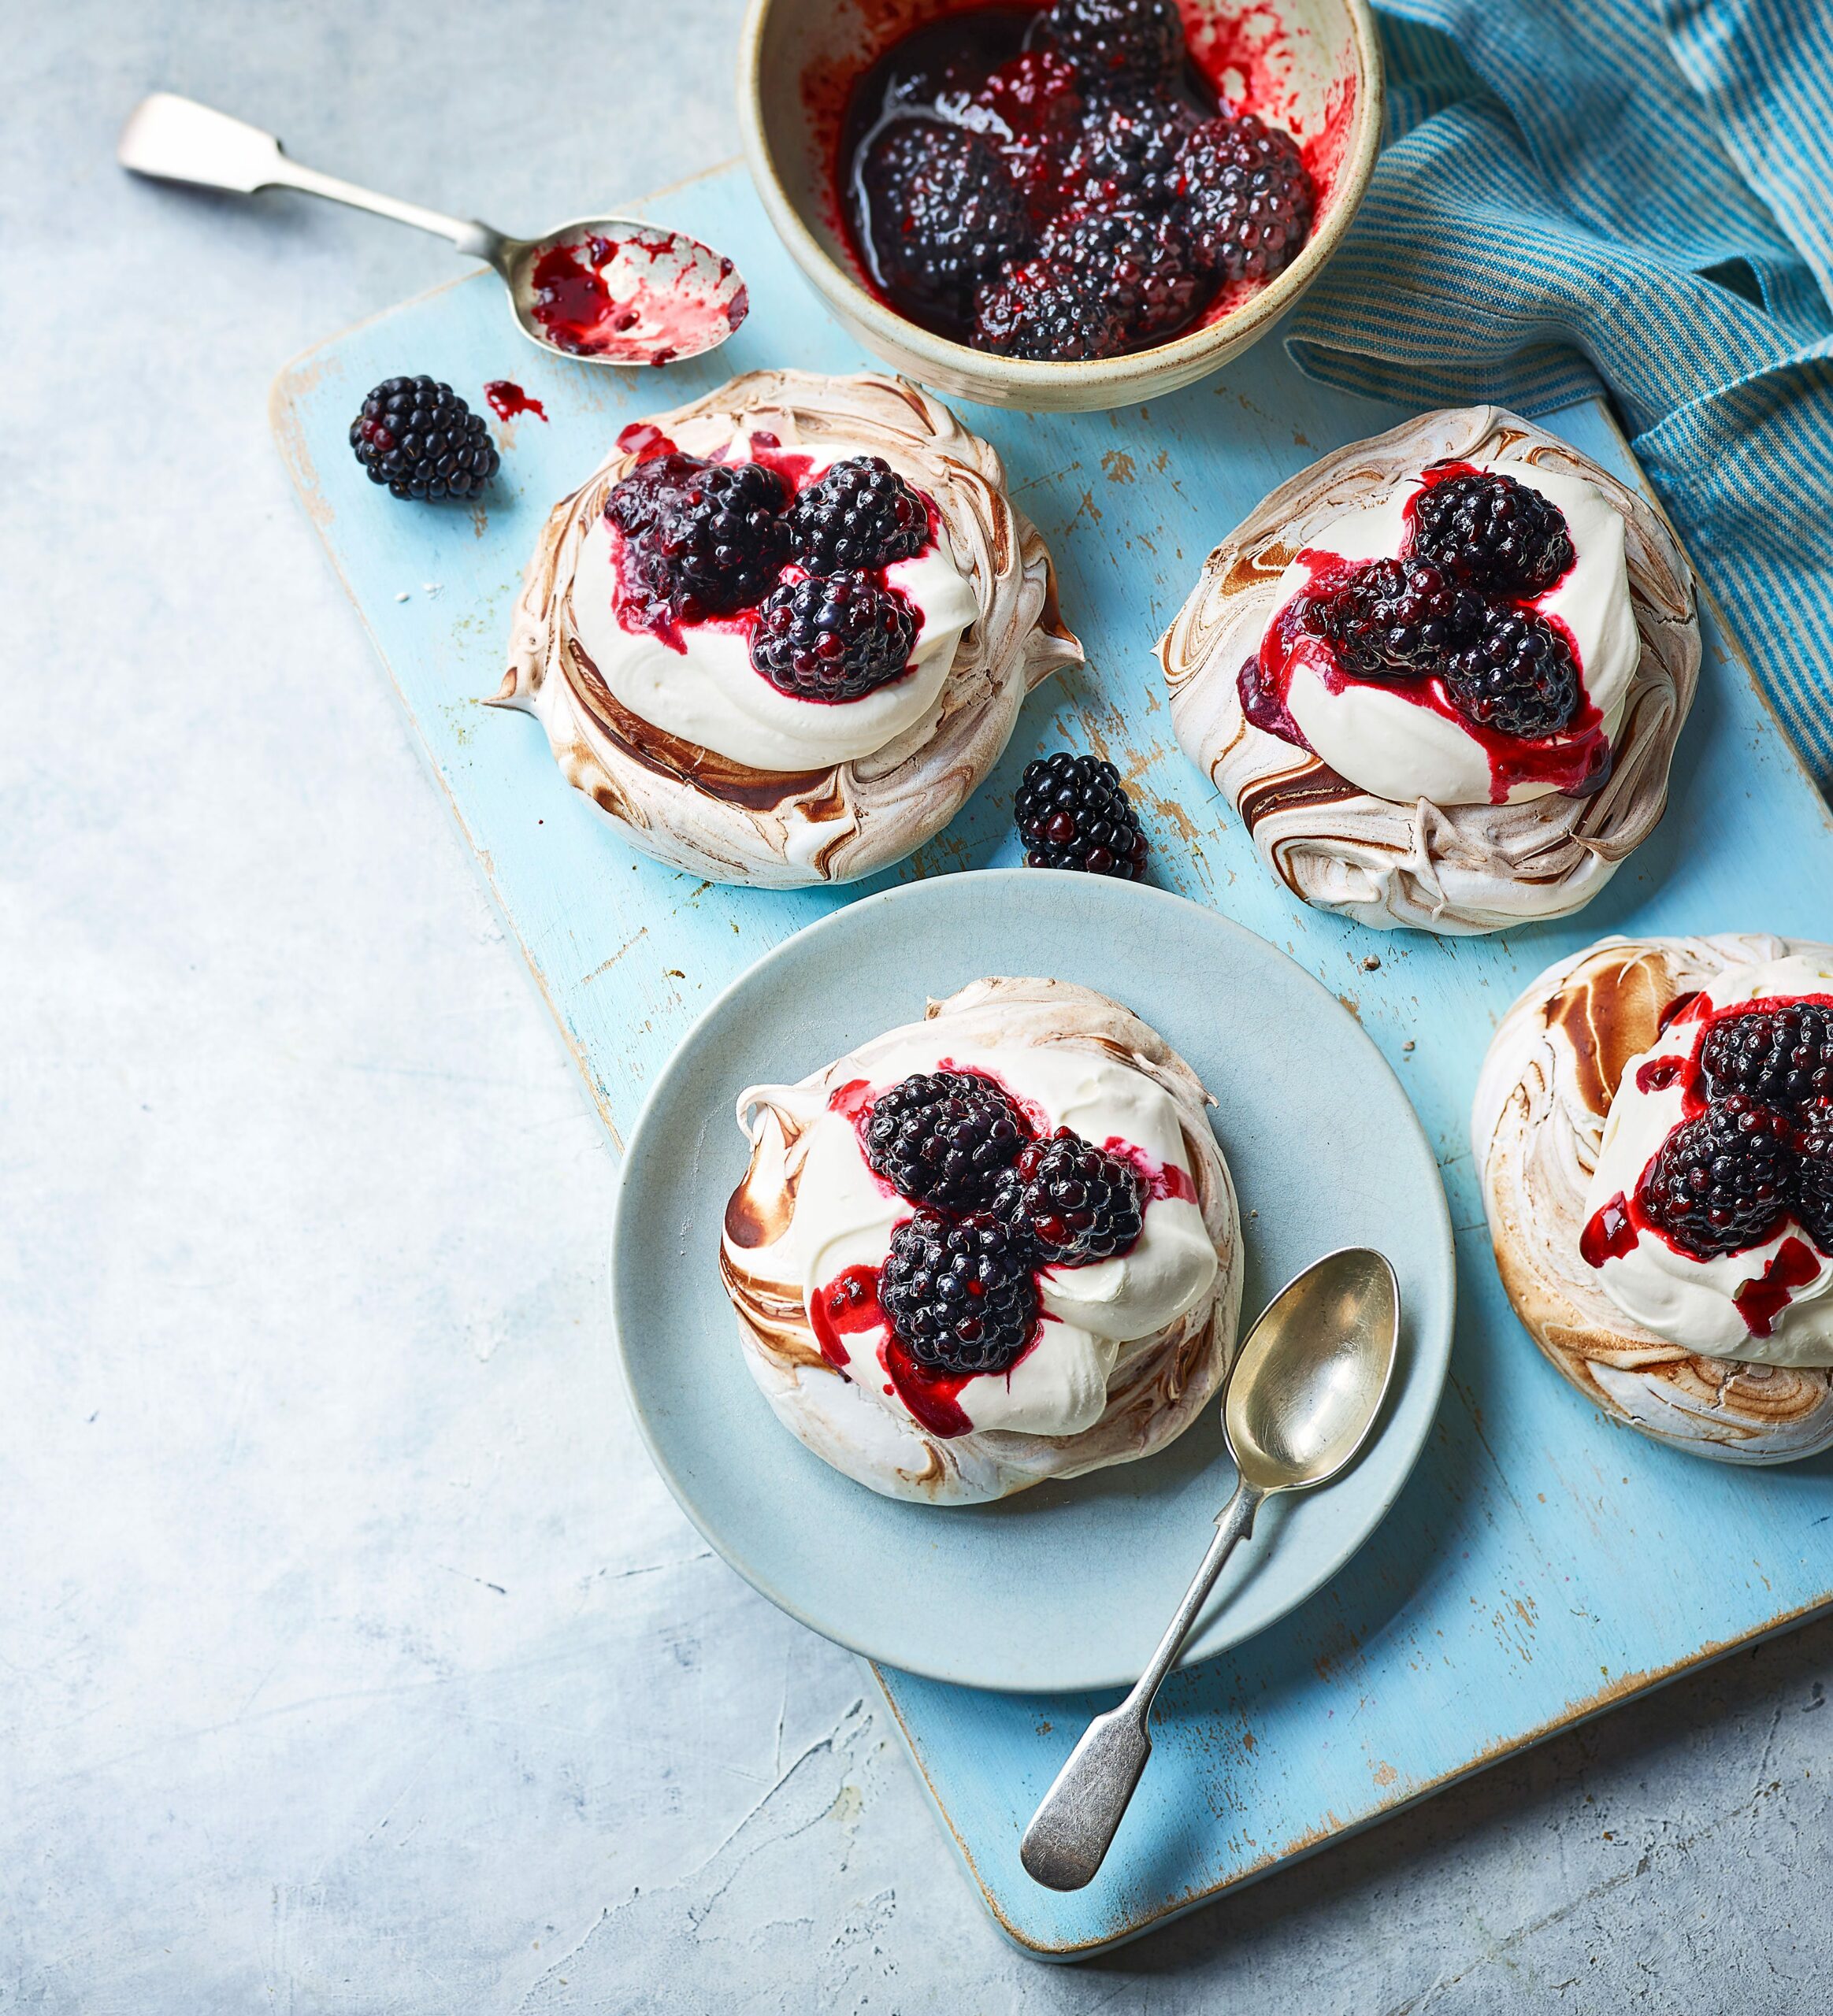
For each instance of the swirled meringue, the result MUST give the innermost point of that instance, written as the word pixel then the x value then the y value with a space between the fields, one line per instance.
pixel 1129 1348
pixel 1425 863
pixel 695 757
pixel 1544 1101
pixel 1690 1299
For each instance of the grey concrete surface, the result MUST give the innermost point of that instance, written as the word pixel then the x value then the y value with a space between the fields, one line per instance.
pixel 351 1658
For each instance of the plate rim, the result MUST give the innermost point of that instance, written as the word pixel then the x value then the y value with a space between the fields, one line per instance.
pixel 763 1581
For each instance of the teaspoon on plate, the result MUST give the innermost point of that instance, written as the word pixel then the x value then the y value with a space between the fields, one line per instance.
pixel 1301 1400
pixel 605 290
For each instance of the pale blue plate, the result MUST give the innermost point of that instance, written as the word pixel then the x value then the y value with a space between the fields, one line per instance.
pixel 1068 1586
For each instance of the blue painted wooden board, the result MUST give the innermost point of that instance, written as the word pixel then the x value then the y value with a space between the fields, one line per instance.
pixel 1542 1565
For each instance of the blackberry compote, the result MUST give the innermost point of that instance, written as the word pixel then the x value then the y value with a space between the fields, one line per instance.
pixel 1062 184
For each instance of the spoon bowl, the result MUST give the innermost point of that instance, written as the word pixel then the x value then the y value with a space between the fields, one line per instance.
pixel 1308 1383
pixel 618 291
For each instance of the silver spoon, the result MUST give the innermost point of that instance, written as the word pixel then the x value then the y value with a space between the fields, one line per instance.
pixel 606 290
pixel 1302 1396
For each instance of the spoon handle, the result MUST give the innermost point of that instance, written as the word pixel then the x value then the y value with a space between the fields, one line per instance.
pixel 178 140
pixel 1075 1824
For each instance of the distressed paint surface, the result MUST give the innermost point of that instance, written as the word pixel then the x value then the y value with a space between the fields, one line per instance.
pixel 1542 1565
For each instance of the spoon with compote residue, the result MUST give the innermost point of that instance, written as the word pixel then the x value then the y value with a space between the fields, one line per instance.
pixel 604 290
pixel 1301 1400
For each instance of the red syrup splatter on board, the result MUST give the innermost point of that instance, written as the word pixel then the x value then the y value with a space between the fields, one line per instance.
pixel 680 309
pixel 1577 761
pixel 847 1307
pixel 1760 1302
pixel 1609 1235
pixel 1659 1074
pixel 507 399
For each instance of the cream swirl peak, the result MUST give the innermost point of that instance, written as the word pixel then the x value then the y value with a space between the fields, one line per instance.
pixel 1709 1215
pixel 835 1272
pixel 1405 738
pixel 693 753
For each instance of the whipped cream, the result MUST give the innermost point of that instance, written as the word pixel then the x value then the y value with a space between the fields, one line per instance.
pixel 1690 1301
pixel 710 694
pixel 844 1217
pixel 1402 750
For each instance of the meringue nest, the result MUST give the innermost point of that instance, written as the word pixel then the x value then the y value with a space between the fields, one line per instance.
pixel 1160 1383
pixel 1462 870
pixel 702 812
pixel 1536 1128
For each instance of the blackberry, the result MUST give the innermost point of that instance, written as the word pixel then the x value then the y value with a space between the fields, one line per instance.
pixel 833 637
pixel 1782 1056
pixel 1248 197
pixel 1814 1174
pixel 418 437
pixel 1030 110
pixel 943 1138
pixel 862 513
pixel 1044 310
pixel 1723 1181
pixel 1517 675
pixel 702 539
pixel 1126 155
pixel 1116 44
pixel 1493 532
pixel 1071 812
pixel 1075 1202
pixel 960 1292
pixel 942 214
pixel 1393 616
pixel 1136 264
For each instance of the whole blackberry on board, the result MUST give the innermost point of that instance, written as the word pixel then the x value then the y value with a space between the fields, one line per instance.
pixel 1515 675
pixel 959 1292
pixel 1492 531
pixel 943 214
pixel 833 637
pixel 1722 1182
pixel 1116 45
pixel 1076 1202
pixel 1071 812
pixel 1126 155
pixel 702 539
pixel 1248 198
pixel 943 1138
pixel 1813 1198
pixel 1393 616
pixel 1782 1056
pixel 418 437
pixel 861 513
pixel 1138 264
pixel 1047 311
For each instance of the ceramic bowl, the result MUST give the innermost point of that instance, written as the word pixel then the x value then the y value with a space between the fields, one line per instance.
pixel 1312 66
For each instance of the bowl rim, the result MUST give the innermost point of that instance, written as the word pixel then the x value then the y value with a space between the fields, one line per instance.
pixel 1220 339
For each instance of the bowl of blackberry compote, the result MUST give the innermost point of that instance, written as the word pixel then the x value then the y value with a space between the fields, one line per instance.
pixel 1061 207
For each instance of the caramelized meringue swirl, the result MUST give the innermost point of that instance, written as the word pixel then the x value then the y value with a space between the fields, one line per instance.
pixel 1461 868
pixel 1537 1130
pixel 722 818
